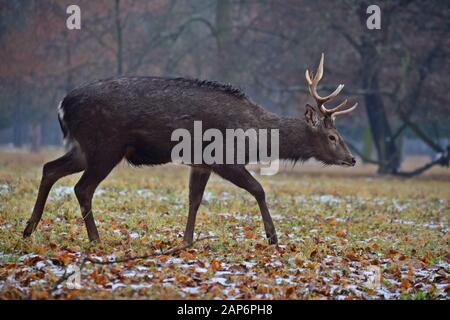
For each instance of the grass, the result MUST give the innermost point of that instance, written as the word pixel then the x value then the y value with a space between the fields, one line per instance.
pixel 345 234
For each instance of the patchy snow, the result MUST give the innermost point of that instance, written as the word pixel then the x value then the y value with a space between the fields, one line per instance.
pixel 4 189
pixel 220 280
pixel 134 235
pixel 326 198
pixel 144 193
pixel 60 192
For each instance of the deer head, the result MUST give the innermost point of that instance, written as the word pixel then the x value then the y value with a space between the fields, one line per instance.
pixel 329 145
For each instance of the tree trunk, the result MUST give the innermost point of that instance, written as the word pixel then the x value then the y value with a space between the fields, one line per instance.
pixel 367 149
pixel 388 155
pixel 224 40
pixel 387 151
pixel 18 125
pixel 36 136
pixel 119 38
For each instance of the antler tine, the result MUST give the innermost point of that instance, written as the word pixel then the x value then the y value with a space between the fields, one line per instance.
pixel 340 113
pixel 321 100
pixel 330 111
pixel 313 81
pixel 334 93
pixel 319 72
pixel 308 78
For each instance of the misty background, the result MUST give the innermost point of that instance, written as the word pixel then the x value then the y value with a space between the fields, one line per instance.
pixel 399 75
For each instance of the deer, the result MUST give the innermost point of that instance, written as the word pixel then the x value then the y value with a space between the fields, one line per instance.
pixel 131 118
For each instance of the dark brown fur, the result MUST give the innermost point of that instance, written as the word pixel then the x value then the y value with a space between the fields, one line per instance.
pixel 133 118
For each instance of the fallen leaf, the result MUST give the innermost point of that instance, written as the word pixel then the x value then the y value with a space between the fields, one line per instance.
pixel 186 255
pixel 39 295
pixel 250 234
pixel 163 258
pixel 261 289
pixel 289 291
pixel 313 253
pixel 405 285
pixel 299 261
pixel 215 264
pixel 101 279
pixel 341 233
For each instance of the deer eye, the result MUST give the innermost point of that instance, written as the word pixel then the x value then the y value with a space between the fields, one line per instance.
pixel 332 138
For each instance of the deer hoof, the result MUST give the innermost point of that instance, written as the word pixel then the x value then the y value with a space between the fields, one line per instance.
pixel 28 230
pixel 273 240
pixel 95 240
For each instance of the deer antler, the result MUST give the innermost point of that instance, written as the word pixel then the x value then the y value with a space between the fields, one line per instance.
pixel 313 81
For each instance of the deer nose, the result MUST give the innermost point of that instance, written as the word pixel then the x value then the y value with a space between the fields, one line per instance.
pixel 353 161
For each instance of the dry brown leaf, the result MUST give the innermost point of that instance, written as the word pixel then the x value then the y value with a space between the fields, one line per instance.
pixel 313 253
pixel 101 279
pixel 39 294
pixel 299 261
pixel 215 264
pixel 261 289
pixel 66 259
pixel 427 258
pixel 41 250
pixel 115 270
pixel 351 256
pixel 341 233
pixel 289 291
pixel 250 234
pixel 405 284
pixel 163 258
pixel 159 244
pixel 186 255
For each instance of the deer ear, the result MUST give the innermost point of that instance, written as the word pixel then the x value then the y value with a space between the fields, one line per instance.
pixel 311 116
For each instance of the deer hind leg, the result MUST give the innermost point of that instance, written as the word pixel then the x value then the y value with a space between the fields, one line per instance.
pixel 71 162
pixel 95 173
pixel 197 182
pixel 239 176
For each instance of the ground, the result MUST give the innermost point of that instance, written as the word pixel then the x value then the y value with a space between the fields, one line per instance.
pixel 344 234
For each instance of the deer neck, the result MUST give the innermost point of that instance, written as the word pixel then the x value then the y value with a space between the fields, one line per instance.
pixel 296 140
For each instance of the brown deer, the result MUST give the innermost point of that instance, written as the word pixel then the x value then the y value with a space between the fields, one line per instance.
pixel 133 117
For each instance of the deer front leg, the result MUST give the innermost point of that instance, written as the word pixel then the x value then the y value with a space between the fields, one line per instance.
pixel 239 176
pixel 197 183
